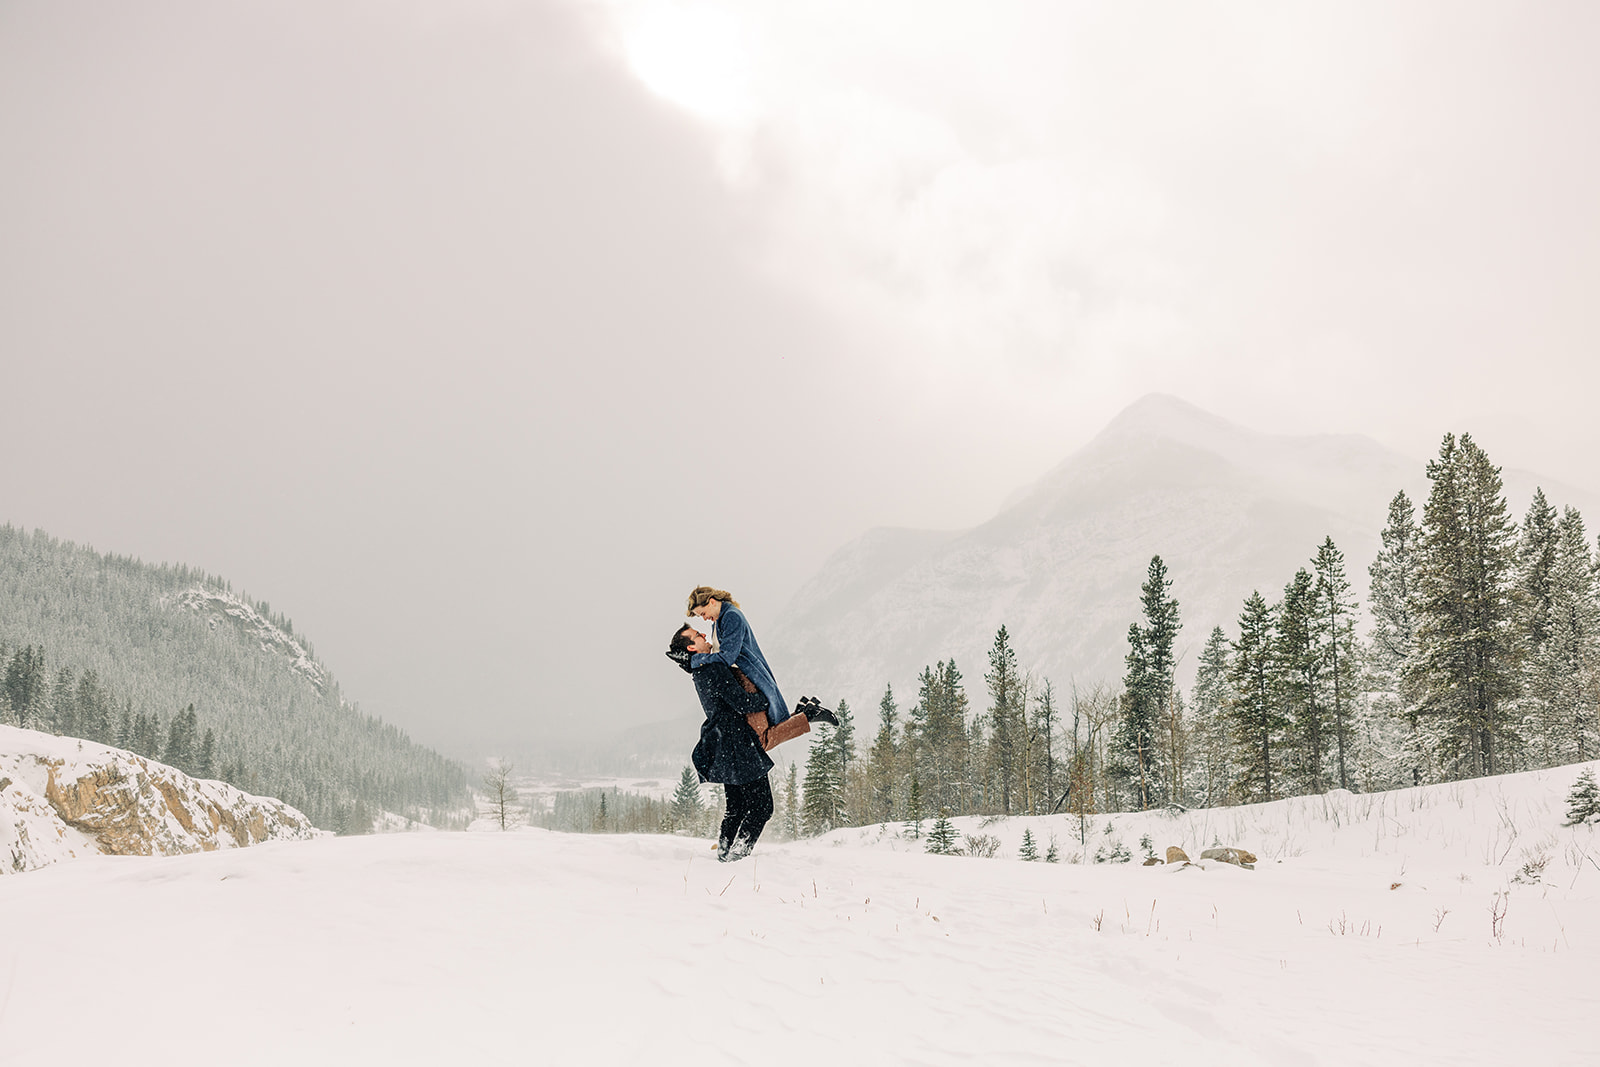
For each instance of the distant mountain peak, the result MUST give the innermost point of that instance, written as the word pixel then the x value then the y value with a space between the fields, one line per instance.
pixel 1164 416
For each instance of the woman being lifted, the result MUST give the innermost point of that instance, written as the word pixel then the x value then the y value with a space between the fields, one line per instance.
pixel 733 643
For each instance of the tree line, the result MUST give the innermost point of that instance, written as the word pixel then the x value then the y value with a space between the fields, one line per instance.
pixel 1483 658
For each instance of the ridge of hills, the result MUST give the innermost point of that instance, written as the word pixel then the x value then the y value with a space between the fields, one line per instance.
pixel 159 639
pixel 1229 509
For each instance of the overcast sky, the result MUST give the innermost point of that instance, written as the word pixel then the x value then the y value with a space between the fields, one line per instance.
pixel 472 333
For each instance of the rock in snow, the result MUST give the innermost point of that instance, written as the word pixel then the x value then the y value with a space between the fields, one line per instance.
pixel 61 798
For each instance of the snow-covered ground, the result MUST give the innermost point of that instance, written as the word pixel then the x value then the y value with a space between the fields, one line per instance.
pixel 1366 935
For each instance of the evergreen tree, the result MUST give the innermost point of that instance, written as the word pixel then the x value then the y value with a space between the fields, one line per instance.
pixel 1135 740
pixel 824 805
pixel 1006 711
pixel 1462 675
pixel 885 758
pixel 942 835
pixel 939 740
pixel 205 760
pixel 1583 801
pixel 913 823
pixel 25 687
pixel 1254 709
pixel 64 703
pixel 687 810
pixel 1391 593
pixel 1029 851
pixel 1336 631
pixel 1148 687
pixel 1208 705
pixel 1042 743
pixel 94 708
pixel 1537 545
pixel 1299 670
pixel 1562 674
pixel 844 741
pixel 180 748
pixel 126 727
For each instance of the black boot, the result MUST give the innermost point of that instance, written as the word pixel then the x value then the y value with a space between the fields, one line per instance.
pixel 815 712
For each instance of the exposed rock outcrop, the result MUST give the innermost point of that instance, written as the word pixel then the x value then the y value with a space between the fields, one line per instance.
pixel 62 798
pixel 1236 856
pixel 1176 855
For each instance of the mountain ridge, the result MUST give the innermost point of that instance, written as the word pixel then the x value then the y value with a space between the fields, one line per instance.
pixel 1230 509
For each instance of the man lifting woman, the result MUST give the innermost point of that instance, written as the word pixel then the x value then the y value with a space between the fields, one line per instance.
pixel 745 714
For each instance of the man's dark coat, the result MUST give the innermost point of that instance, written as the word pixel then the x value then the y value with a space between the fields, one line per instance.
pixel 729 751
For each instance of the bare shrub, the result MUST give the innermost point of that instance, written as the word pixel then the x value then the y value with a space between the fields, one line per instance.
pixel 983 846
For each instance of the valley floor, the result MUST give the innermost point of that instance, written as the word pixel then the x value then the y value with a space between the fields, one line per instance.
pixel 1365 936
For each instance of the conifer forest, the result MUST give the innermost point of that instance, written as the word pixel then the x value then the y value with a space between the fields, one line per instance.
pixel 170 664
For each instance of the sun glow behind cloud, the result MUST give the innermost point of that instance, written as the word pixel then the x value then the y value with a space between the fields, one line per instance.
pixel 693 55
pixel 1070 204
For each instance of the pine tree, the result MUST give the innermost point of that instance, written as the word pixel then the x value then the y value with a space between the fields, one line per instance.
pixel 1208 705
pixel 1537 545
pixel 1583 802
pixel 1042 741
pixel 94 708
pixel 844 741
pixel 205 760
pixel 1006 710
pixel 1148 685
pixel 824 806
pixel 1391 592
pixel 1029 851
pixel 1299 667
pixel 1336 633
pixel 25 687
pixel 1462 675
pixel 913 823
pixel 1561 676
pixel 939 739
pixel 884 772
pixel 64 703
pixel 126 728
pixel 180 746
pixel 687 810
pixel 1254 709
pixel 942 836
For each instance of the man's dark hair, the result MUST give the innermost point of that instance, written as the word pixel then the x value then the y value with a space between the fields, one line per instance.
pixel 681 638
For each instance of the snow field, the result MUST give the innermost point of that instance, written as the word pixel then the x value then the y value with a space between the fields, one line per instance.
pixel 853 948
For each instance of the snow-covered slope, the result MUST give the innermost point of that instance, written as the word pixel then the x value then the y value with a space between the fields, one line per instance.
pixel 225 609
pixel 1230 510
pixel 1402 928
pixel 62 798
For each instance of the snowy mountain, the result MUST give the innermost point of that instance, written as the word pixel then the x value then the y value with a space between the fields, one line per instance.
pixel 1229 510
pixel 116 642
pixel 61 798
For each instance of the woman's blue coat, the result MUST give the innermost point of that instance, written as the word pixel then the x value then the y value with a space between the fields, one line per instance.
pixel 737 648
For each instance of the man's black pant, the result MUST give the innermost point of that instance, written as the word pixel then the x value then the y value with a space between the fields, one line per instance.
pixel 748 809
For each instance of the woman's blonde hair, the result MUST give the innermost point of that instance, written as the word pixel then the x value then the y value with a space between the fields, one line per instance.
pixel 703 593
